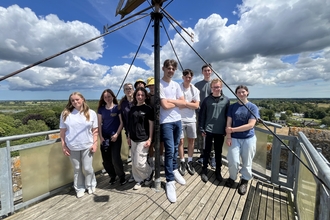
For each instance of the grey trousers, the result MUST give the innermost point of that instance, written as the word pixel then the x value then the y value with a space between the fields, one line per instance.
pixel 83 172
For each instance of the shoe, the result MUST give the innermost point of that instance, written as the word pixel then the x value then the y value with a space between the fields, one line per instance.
pixel 212 163
pixel 170 191
pixel 218 177
pixel 161 161
pixel 182 168
pixel 129 159
pixel 242 187
pixel 80 193
pixel 204 175
pixel 230 182
pixel 148 181
pixel 123 181
pixel 112 180
pixel 178 177
pixel 200 160
pixel 190 168
pixel 204 178
pixel 138 185
pixel 91 190
pixel 131 179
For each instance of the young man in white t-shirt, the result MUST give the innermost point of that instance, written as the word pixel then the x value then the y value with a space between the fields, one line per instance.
pixel 188 121
pixel 171 98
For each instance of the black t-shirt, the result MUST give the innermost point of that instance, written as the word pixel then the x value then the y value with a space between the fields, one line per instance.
pixel 139 117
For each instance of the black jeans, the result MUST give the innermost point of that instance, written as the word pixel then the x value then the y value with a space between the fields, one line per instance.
pixel 218 142
pixel 112 162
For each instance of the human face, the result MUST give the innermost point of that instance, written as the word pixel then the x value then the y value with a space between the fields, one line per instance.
pixel 216 89
pixel 242 94
pixel 152 89
pixel 128 90
pixel 107 97
pixel 140 97
pixel 140 85
pixel 187 79
pixel 76 102
pixel 207 73
pixel 168 72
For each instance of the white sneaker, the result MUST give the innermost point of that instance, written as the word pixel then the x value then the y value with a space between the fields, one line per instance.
pixel 131 179
pixel 91 190
pixel 178 177
pixel 170 191
pixel 138 185
pixel 80 193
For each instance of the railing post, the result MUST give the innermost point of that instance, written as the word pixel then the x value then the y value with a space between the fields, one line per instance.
pixel 276 158
pixel 6 182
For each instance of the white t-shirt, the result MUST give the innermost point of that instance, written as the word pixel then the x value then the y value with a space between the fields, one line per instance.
pixel 169 90
pixel 78 135
pixel 190 94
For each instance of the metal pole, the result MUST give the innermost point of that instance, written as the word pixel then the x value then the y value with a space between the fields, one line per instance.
pixel 157 17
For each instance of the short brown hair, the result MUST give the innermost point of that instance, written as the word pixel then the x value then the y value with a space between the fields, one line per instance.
pixel 170 62
pixel 187 71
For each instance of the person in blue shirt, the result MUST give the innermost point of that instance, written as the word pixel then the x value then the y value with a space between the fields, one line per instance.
pixel 110 126
pixel 241 139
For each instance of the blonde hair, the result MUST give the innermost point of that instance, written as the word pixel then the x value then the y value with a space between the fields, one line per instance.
pixel 69 107
pixel 216 80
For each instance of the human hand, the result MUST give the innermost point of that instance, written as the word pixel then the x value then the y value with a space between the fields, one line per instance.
pixel 66 151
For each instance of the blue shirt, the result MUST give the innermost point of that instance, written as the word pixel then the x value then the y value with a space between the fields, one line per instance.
pixel 241 116
pixel 110 120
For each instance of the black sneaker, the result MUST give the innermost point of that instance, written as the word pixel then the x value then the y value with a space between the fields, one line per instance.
pixel 123 181
pixel 112 180
pixel 182 168
pixel 148 181
pixel 218 177
pixel 204 176
pixel 229 183
pixel 190 168
pixel 242 187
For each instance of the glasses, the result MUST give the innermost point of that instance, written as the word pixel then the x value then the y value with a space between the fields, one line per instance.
pixel 128 89
pixel 216 87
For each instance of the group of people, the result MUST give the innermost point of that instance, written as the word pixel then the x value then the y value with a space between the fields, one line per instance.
pixel 186 110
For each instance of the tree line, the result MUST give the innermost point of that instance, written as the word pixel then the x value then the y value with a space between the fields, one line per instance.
pixel 22 117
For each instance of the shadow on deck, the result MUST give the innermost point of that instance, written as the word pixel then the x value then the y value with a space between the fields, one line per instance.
pixel 196 200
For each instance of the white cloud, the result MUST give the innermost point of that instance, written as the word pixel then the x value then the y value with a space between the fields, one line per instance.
pixel 255 51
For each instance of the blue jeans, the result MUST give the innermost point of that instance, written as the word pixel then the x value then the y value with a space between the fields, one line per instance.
pixel 246 149
pixel 170 134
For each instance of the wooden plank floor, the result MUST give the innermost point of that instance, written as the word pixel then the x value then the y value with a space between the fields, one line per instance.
pixel 196 200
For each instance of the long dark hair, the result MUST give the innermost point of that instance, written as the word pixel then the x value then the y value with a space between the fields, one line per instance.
pixel 136 91
pixel 102 102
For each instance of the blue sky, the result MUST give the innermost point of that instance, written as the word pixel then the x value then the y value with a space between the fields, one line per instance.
pixel 279 49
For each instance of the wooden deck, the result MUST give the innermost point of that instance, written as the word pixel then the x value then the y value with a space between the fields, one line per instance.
pixel 196 200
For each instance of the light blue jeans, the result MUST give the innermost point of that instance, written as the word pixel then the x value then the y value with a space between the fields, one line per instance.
pixel 83 177
pixel 246 149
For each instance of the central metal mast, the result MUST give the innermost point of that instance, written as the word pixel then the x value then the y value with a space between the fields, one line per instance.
pixel 157 17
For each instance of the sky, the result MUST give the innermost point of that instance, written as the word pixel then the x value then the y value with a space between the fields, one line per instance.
pixel 278 48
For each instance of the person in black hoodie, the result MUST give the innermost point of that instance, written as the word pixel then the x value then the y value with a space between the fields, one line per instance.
pixel 212 124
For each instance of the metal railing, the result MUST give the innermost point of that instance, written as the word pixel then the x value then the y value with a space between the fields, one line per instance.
pixel 310 197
